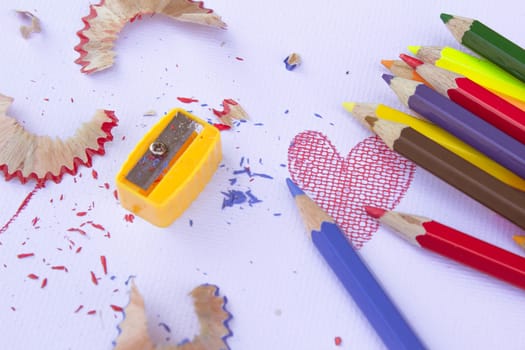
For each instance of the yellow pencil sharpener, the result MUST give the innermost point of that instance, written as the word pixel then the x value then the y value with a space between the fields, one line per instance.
pixel 169 167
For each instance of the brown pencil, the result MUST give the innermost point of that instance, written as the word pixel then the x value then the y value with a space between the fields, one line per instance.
pixel 469 179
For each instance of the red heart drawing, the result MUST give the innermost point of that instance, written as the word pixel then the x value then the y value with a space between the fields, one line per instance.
pixel 371 174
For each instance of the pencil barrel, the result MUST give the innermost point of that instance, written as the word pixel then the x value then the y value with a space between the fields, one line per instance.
pixel 466 126
pixel 473 252
pixel 477 184
pixel 482 71
pixel 490 107
pixel 361 284
pixel 496 48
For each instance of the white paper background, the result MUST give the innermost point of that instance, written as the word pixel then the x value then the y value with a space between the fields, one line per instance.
pixel 280 291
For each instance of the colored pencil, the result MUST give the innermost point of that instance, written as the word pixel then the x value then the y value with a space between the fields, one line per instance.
pixel 461 123
pixel 438 135
pixel 520 240
pixel 358 281
pixel 488 43
pixel 467 178
pixel 512 100
pixel 402 69
pixel 483 72
pixel 473 97
pixel 456 245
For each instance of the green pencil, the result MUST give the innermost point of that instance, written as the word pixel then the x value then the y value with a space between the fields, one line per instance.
pixel 488 43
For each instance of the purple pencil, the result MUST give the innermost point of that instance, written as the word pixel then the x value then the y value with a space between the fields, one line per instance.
pixel 466 126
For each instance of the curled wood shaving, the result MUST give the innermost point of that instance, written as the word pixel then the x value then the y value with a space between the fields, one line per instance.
pixel 26 156
pixel 212 316
pixel 232 110
pixel 106 20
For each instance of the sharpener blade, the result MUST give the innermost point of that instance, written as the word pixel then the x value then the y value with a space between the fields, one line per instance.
pixel 152 164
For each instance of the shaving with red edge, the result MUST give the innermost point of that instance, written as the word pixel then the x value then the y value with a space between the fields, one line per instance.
pixel 27 156
pixel 211 313
pixel 106 20
pixel 232 110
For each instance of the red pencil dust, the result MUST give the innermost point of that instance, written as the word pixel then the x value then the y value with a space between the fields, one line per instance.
pixel 116 308
pixel 80 307
pixel 187 99
pixel 94 278
pixel 455 245
pixel 104 264
pixel 22 206
pixel 74 229
pixel 59 267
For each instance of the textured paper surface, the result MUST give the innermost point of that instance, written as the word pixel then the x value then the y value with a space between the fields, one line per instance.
pixel 280 292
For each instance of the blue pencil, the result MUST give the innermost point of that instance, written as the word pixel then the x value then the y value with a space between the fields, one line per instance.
pixel 355 276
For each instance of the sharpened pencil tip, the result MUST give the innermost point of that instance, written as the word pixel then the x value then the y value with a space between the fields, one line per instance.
pixel 294 189
pixel 411 61
pixel 445 17
pixel 387 78
pixel 349 106
pixel 387 63
pixel 374 211
pixel 414 49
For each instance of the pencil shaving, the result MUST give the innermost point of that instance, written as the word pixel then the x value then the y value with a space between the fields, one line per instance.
pixel 106 20
pixel 292 61
pixel 232 110
pixel 150 113
pixel 26 156
pixel 26 31
pixel 212 316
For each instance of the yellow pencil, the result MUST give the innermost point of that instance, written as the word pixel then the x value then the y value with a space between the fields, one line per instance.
pixel 438 135
pixel 481 71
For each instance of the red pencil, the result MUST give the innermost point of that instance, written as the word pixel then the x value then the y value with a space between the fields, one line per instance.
pixel 455 245
pixel 474 97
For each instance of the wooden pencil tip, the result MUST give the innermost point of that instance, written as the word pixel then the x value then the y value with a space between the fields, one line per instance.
pixel 387 78
pixel 294 189
pixel 445 17
pixel 411 61
pixel 349 106
pixel 414 49
pixel 387 63
pixel 374 212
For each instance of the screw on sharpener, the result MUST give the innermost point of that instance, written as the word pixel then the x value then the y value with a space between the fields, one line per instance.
pixel 169 167
pixel 158 148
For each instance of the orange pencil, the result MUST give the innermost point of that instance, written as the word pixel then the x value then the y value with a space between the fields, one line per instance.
pixel 402 69
pixel 515 102
pixel 520 240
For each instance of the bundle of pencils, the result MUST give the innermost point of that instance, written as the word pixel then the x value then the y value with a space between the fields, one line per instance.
pixel 469 128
